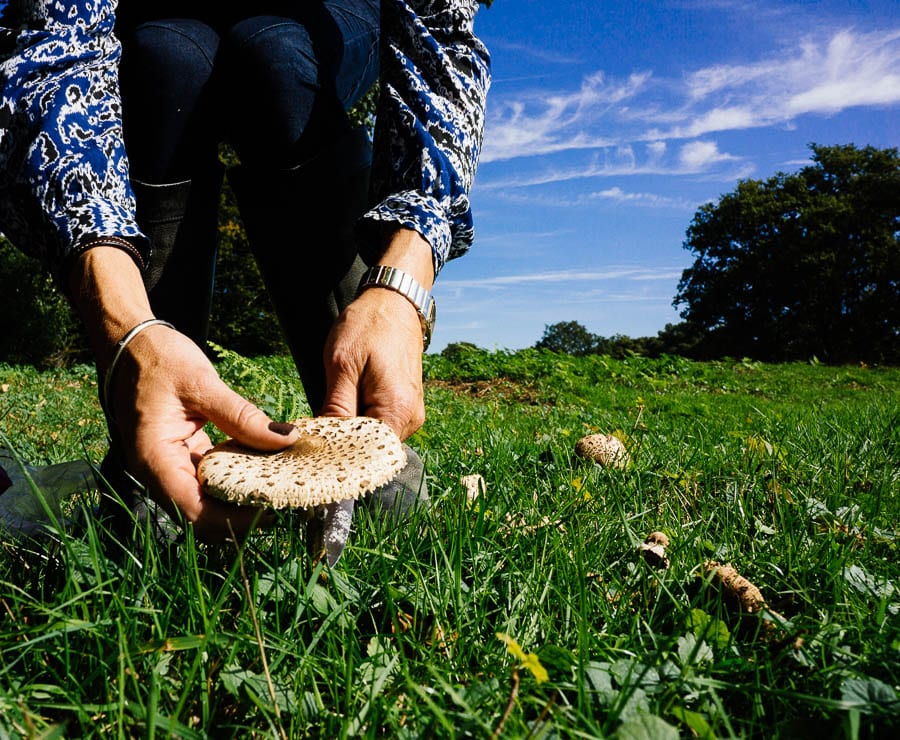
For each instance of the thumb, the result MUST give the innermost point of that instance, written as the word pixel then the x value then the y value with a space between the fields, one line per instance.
pixel 239 418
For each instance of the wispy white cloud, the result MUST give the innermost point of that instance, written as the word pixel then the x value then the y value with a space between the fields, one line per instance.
pixel 694 158
pixel 819 75
pixel 565 276
pixel 539 124
pixel 649 200
pixel 508 237
pixel 822 75
pixel 540 53
pixel 699 155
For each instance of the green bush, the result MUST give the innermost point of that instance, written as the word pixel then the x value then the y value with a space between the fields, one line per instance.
pixel 39 326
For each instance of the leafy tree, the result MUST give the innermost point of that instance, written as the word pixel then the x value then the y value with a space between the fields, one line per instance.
pixel 568 337
pixel 801 264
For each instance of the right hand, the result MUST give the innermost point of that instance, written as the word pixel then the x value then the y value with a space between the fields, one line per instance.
pixel 163 392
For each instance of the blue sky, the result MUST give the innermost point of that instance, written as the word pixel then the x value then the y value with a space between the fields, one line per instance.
pixel 610 123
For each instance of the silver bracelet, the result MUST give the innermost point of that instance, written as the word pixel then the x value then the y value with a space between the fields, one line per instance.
pixel 120 348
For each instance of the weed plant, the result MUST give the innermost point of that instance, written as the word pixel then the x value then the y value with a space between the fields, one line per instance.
pixel 526 612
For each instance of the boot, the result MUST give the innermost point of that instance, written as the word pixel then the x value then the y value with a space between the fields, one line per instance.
pixel 310 281
pixel 181 221
pixel 128 512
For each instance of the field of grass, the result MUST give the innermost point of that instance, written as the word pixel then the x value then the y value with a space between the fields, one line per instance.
pixel 529 612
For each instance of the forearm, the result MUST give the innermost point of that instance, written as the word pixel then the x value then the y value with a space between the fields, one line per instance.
pixel 435 75
pixel 108 294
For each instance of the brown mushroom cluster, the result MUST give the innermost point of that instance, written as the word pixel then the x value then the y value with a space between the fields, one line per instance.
pixel 335 459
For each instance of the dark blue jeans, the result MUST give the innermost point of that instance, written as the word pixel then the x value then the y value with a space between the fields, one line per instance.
pixel 275 83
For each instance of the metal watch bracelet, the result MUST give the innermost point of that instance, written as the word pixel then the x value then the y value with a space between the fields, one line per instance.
pixel 392 278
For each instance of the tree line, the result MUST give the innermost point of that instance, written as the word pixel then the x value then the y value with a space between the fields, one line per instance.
pixel 797 266
pixel 800 265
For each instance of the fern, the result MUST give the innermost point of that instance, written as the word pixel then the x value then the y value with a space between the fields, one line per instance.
pixel 280 397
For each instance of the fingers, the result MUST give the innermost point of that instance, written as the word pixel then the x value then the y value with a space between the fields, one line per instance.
pixel 402 413
pixel 341 398
pixel 167 391
pixel 239 418
pixel 373 363
pixel 176 477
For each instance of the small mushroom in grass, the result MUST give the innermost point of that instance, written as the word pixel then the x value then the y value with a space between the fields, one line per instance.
pixel 474 485
pixel 335 459
pixel 743 597
pixel 603 449
pixel 747 597
pixel 654 549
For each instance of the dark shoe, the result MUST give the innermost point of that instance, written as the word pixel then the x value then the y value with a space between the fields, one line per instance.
pixel 394 502
pixel 128 511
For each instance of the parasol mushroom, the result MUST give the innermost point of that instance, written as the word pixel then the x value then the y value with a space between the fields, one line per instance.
pixel 654 549
pixel 335 459
pixel 603 449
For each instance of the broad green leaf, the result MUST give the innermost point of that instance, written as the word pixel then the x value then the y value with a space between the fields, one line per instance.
pixel 866 693
pixel 692 652
pixel 235 679
pixel 695 721
pixel 646 727
pixel 708 628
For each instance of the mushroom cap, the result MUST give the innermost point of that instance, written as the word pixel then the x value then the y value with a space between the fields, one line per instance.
pixel 657 538
pixel 335 459
pixel 603 449
pixel 654 549
pixel 474 485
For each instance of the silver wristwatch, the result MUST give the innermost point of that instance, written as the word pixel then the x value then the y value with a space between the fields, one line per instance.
pixel 394 279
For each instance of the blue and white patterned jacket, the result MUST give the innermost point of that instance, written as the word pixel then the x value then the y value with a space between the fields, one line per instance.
pixel 63 166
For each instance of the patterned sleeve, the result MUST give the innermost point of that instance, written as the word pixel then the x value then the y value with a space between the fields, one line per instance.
pixel 434 75
pixel 63 170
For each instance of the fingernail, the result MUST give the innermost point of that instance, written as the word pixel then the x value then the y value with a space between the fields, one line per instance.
pixel 281 427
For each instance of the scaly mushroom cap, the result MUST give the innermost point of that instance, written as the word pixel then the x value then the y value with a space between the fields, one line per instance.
pixel 335 459
pixel 654 549
pixel 603 449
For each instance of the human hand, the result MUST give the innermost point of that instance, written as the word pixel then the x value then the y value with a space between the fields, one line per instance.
pixel 163 391
pixel 373 356
pixel 373 362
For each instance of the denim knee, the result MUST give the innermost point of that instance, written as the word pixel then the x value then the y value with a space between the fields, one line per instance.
pixel 299 74
pixel 167 103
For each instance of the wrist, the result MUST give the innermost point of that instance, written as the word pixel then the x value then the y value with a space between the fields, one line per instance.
pixel 409 251
pixel 402 283
pixel 407 269
pixel 107 291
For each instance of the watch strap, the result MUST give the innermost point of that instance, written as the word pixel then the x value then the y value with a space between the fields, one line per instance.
pixel 392 278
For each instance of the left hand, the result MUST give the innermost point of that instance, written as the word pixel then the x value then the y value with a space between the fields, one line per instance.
pixel 373 356
pixel 373 362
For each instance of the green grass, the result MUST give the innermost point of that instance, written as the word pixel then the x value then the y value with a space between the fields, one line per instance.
pixel 789 472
